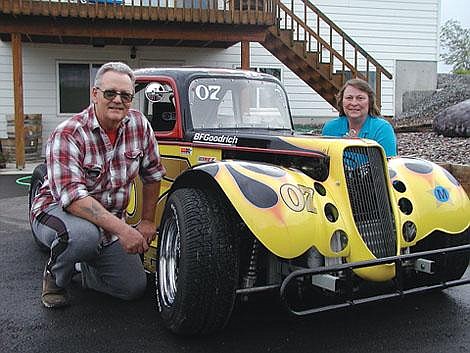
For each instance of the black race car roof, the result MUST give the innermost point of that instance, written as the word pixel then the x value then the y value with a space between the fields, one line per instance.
pixel 183 73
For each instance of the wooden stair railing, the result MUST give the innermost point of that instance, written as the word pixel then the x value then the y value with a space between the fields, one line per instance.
pixel 318 51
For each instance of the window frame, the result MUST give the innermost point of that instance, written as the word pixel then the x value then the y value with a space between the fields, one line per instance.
pixel 74 62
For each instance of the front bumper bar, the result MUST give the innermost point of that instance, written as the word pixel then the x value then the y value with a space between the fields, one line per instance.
pixel 348 299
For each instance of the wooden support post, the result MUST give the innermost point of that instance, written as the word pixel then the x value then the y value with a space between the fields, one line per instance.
pixel 245 55
pixel 378 87
pixel 18 97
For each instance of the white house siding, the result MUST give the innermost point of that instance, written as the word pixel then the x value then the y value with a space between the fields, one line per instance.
pixel 388 30
pixel 6 87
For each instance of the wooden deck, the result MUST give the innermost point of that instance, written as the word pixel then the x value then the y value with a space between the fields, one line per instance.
pixel 204 23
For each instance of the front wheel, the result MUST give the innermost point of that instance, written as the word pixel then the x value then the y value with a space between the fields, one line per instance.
pixel 198 263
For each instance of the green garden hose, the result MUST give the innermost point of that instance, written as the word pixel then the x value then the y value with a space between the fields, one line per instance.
pixel 25 181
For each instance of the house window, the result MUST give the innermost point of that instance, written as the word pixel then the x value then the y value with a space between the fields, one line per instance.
pixel 75 82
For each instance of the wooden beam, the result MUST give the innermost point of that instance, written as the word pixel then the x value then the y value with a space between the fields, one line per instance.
pixel 71 27
pixel 18 97
pixel 245 53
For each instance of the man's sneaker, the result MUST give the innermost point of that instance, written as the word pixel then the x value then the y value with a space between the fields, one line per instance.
pixel 52 295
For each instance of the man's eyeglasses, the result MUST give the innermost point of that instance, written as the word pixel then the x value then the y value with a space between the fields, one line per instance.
pixel 110 94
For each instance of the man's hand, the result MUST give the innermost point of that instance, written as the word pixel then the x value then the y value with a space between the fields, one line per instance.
pixel 147 229
pixel 133 241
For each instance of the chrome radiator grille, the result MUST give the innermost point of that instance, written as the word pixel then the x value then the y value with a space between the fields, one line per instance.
pixel 370 202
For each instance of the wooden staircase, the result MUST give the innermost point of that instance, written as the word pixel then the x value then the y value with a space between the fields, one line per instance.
pixel 318 51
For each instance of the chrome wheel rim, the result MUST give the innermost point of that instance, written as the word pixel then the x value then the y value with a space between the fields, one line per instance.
pixel 169 259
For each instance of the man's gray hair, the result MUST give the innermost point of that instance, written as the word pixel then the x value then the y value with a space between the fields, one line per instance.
pixel 116 67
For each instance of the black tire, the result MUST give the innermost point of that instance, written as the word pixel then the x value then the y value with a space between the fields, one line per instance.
pixel 450 266
pixel 198 263
pixel 37 179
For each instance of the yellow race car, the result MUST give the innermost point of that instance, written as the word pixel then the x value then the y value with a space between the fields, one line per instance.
pixel 248 205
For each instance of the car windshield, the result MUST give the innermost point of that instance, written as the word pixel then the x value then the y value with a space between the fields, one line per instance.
pixel 238 103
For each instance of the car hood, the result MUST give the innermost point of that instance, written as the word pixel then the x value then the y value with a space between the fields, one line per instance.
pixel 275 141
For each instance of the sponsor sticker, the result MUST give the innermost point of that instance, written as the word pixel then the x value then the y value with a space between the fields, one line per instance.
pixel 209 138
pixel 206 159
pixel 441 194
pixel 186 150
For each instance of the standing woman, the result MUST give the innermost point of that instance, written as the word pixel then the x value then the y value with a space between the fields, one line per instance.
pixel 360 117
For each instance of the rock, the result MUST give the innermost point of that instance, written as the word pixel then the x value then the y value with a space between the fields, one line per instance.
pixel 454 121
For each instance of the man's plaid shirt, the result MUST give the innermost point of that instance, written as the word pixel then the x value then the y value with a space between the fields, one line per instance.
pixel 81 161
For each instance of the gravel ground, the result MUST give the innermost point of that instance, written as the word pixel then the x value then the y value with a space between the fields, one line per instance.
pixel 426 144
pixel 433 147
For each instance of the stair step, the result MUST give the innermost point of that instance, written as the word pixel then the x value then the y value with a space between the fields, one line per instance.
pixel 324 68
pixel 337 80
pixel 286 35
pixel 311 57
pixel 299 47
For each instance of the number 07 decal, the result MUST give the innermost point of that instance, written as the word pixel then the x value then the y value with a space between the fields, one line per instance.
pixel 298 197
pixel 210 92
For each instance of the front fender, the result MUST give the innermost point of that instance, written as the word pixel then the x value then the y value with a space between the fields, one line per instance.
pixel 279 205
pixel 438 201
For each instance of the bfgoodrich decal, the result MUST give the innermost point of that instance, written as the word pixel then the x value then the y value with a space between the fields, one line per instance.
pixel 225 139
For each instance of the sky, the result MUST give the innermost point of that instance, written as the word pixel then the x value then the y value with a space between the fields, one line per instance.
pixel 457 10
